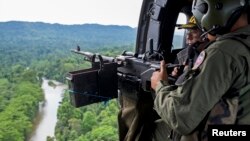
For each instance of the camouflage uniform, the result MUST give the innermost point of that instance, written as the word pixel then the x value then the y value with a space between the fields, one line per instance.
pixel 136 116
pixel 220 82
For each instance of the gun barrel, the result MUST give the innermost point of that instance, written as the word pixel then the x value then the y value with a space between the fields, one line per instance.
pixel 87 54
pixel 90 55
pixel 107 58
pixel 157 66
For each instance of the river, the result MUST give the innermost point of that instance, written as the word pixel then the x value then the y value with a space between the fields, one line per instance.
pixel 46 119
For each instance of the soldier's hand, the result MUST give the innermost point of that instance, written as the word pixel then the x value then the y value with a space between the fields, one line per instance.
pixel 174 73
pixel 159 75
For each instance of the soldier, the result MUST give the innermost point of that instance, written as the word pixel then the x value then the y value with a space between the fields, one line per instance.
pixel 193 41
pixel 217 89
pixel 194 45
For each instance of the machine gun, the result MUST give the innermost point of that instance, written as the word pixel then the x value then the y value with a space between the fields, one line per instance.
pixel 107 75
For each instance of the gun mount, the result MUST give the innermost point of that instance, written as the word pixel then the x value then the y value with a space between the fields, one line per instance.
pixel 107 75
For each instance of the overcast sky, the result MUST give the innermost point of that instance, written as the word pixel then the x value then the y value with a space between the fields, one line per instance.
pixel 115 12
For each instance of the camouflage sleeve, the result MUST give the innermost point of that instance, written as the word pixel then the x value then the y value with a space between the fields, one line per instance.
pixel 185 107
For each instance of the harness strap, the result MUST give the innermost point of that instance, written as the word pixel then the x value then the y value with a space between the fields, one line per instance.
pixel 238 38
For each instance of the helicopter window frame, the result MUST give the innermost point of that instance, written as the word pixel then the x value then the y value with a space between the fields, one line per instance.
pixel 179 34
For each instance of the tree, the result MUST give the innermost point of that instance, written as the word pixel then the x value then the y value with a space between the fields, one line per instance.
pixel 89 121
pixel 50 138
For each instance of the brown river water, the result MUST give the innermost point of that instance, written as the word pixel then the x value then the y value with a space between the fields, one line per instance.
pixel 46 119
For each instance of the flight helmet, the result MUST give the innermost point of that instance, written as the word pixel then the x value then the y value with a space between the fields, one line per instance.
pixel 218 16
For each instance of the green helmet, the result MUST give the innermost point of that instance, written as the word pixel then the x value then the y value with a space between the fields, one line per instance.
pixel 218 16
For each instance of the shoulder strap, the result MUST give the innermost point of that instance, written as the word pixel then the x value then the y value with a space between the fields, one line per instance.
pixel 245 89
pixel 208 44
pixel 237 38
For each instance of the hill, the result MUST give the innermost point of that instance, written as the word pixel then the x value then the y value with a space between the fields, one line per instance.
pixel 26 34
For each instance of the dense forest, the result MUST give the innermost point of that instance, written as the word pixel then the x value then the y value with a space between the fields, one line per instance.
pixel 20 95
pixel 46 47
pixel 30 51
